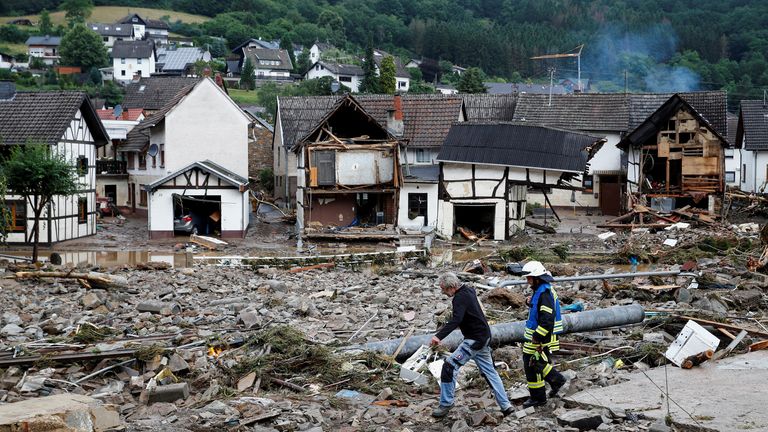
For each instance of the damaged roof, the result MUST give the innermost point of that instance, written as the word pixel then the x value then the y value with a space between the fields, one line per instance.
pixel 753 126
pixel 658 119
pixel 426 117
pixel 510 144
pixel 490 107
pixel 43 117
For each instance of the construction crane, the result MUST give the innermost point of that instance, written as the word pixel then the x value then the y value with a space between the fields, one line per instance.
pixel 571 53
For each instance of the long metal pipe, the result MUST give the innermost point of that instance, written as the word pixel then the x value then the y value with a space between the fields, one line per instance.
pixel 506 333
pixel 600 277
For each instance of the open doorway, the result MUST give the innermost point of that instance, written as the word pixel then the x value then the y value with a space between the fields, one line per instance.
pixel 197 215
pixel 478 218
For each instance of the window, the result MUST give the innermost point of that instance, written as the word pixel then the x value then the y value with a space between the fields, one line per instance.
pixel 138 61
pixel 345 79
pixel 82 166
pixel 402 84
pixel 17 212
pixel 142 196
pixel 106 38
pixel 122 73
pixel 743 173
pixel 154 161
pixel 588 183
pixel 417 206
pixel 82 210
pixel 142 161
pixel 162 155
pixel 325 161
pixel 130 162
pixel 122 61
pixel 730 176
pixel 422 156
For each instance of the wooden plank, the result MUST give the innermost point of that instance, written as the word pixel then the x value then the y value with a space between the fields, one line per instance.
pixel 664 147
pixel 759 345
pixel 701 166
pixel 727 333
pixel 205 241
pixel 736 341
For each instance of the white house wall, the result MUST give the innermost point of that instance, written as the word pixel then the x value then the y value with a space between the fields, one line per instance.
pixel 733 165
pixel 755 165
pixel 433 214
pixel 356 168
pixel 314 72
pixel 132 67
pixel 188 127
pixel 234 208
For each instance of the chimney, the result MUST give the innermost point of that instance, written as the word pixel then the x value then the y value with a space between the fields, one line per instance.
pixel 7 90
pixel 395 117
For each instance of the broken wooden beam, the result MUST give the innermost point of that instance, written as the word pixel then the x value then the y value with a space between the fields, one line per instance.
pixel 312 267
pixel 93 279
pixel 697 359
pixel 209 242
pixel 543 228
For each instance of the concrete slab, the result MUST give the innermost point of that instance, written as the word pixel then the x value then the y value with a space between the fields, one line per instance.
pixel 725 395
pixel 65 412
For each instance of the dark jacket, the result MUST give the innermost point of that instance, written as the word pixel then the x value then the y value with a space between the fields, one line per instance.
pixel 467 316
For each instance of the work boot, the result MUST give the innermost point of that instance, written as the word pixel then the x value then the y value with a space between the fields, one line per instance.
pixel 555 387
pixel 441 411
pixel 508 411
pixel 533 402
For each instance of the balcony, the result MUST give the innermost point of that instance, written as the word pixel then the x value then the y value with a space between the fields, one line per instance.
pixel 111 168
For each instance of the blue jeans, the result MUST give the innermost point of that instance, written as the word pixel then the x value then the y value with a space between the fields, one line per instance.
pixel 482 358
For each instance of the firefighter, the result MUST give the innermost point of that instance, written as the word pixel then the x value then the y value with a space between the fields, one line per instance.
pixel 541 330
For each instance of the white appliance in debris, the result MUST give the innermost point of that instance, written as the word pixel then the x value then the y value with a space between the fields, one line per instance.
pixel 692 340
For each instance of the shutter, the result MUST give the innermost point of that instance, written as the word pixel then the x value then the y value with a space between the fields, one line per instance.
pixel 325 161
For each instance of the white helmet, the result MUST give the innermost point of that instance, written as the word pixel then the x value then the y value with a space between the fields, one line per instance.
pixel 534 268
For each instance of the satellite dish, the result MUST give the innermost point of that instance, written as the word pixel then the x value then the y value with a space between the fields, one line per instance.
pixel 153 150
pixel 118 111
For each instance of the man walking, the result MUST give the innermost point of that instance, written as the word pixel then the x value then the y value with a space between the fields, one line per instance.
pixel 469 317
pixel 541 329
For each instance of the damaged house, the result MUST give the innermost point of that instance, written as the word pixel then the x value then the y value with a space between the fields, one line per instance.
pixel 487 168
pixel 349 176
pixel 676 157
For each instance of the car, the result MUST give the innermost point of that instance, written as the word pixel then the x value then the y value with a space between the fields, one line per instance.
pixel 186 223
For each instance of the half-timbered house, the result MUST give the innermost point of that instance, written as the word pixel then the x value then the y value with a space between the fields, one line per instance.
pixel 67 123
pixel 487 168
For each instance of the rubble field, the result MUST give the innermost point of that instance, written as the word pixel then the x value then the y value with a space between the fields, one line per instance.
pixel 255 347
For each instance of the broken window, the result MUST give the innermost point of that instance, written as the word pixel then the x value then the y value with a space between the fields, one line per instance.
pixel 82 166
pixel 588 183
pixel 417 206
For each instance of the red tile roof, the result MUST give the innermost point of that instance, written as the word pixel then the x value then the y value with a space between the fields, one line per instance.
pixel 131 114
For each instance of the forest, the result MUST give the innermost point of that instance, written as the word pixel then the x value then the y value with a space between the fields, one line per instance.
pixel 634 45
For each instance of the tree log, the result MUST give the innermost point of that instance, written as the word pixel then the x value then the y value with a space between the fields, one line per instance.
pixel 94 279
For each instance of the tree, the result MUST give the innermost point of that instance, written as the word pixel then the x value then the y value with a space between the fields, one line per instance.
pixel 77 11
pixel 387 80
pixel 112 93
pixel 287 44
pixel 472 81
pixel 370 82
pixel 36 173
pixel 45 25
pixel 83 47
pixel 302 64
pixel 247 79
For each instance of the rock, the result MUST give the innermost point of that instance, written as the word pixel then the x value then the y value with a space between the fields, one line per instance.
pixel 65 412
pixel 505 297
pixel 659 426
pixel 249 319
pixel 460 426
pixel 177 364
pixel 91 301
pixel 11 330
pixel 581 419
pixel 520 414
pixel 277 286
pixel 683 295
pixel 169 393
pixel 711 302
pixel 747 299
pixel 385 394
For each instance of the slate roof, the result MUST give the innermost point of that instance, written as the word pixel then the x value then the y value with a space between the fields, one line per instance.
pixel 509 144
pixel 133 49
pixel 489 107
pixel 233 66
pixel 733 125
pixel 116 30
pixel 151 23
pixel 45 116
pixel 259 42
pixel 152 93
pixel 44 40
pixel 426 118
pixel 280 55
pixel 178 59
pixel 584 111
pixel 753 125
pixel 509 88
pixel 206 165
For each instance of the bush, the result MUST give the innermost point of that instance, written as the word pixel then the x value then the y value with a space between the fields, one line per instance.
pixel 267 179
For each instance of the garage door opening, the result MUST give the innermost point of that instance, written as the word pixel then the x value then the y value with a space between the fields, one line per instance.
pixel 476 218
pixel 197 215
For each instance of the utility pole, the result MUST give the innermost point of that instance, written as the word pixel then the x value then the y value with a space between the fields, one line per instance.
pixel 576 54
pixel 551 82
